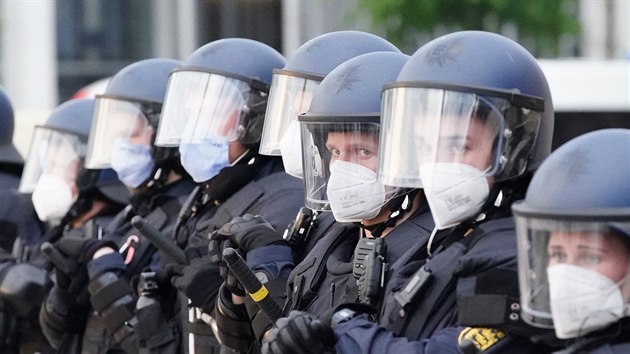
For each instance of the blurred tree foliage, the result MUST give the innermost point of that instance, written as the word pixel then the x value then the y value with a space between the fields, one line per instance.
pixel 540 25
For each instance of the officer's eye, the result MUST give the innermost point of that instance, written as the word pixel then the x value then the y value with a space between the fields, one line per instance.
pixel 364 153
pixel 591 259
pixel 458 147
pixel 334 152
pixel 557 256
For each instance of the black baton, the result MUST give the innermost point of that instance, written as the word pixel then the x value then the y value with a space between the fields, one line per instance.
pixel 256 290
pixel 159 240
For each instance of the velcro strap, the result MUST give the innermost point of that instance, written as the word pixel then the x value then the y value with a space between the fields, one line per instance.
pixel 484 309
pixel 199 328
pixel 106 289
pixel 233 333
pixel 118 314
pixel 150 321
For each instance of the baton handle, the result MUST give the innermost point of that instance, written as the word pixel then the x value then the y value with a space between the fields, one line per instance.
pixel 159 240
pixel 256 290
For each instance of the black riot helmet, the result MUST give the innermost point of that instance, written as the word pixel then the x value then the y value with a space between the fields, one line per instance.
pixel 573 233
pixel 220 92
pixel 54 170
pixel 292 88
pixel 126 118
pixel 471 109
pixel 8 153
pixel 340 138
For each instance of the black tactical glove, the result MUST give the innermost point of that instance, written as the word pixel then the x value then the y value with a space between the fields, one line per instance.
pixel 300 332
pixel 244 233
pixel 248 232
pixel 71 276
pixel 199 281
pixel 82 249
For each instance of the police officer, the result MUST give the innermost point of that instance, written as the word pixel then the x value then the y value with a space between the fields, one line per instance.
pixel 476 111
pixel 290 94
pixel 573 230
pixel 63 192
pixel 214 112
pixel 348 266
pixel 75 200
pixel 125 122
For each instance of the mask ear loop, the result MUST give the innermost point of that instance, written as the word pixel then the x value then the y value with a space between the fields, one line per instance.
pixel 399 206
pixel 430 242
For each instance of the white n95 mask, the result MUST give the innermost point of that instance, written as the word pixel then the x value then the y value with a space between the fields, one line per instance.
pixel 455 192
pixel 52 197
pixel 582 300
pixel 354 192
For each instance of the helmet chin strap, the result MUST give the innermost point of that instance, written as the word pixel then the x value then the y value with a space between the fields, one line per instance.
pixel 398 207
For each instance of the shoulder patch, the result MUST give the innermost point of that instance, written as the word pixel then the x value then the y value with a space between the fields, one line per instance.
pixel 480 338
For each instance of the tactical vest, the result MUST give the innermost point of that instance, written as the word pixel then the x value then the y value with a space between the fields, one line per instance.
pixel 324 278
pixel 434 306
pixel 277 197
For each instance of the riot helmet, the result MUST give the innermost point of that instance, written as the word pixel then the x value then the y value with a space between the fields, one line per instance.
pixel 340 138
pixel 292 88
pixel 54 172
pixel 220 91
pixel 126 119
pixel 215 104
pixel 471 109
pixel 573 236
pixel 8 152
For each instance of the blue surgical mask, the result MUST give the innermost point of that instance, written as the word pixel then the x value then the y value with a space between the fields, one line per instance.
pixel 205 160
pixel 132 162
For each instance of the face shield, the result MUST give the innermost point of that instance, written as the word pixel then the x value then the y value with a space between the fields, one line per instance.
pixel 456 131
pixel 573 271
pixel 51 170
pixel 200 106
pixel 340 164
pixel 53 152
pixel 290 95
pixel 117 122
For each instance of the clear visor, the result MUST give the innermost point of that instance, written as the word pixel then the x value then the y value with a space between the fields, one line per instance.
pixel 52 152
pixel 201 105
pixel 289 96
pixel 543 243
pixel 450 127
pixel 115 120
pixel 325 143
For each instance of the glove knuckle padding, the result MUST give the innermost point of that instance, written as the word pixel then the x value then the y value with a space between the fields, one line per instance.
pixel 199 282
pixel 303 327
pixel 113 298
